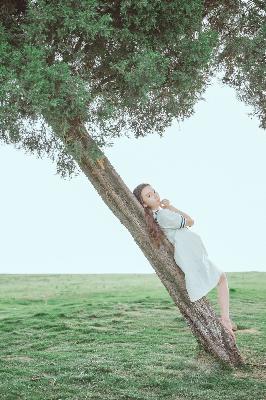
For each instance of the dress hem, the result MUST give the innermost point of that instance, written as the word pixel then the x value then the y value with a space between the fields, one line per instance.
pixel 212 287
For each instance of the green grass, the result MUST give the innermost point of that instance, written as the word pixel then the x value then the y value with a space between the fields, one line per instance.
pixel 120 336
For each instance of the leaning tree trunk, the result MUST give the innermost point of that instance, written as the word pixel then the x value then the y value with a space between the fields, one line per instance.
pixel 210 334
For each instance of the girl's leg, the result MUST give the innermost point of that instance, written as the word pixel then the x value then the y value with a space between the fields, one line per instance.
pixel 223 299
pixel 223 296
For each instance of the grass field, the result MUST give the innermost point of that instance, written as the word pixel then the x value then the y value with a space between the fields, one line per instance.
pixel 120 336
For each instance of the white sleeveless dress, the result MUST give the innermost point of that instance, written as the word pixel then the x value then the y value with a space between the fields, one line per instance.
pixel 201 274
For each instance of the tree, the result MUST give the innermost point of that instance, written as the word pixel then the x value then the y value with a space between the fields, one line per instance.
pixel 76 75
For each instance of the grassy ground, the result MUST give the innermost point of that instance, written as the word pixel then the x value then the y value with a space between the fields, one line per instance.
pixel 120 336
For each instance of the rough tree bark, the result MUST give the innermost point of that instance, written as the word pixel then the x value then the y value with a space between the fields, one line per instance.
pixel 210 334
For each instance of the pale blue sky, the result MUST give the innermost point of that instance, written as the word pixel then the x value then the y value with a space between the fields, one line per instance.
pixel 212 166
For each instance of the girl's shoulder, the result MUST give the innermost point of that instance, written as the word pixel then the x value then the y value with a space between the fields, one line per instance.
pixel 161 212
pixel 169 219
pixel 164 210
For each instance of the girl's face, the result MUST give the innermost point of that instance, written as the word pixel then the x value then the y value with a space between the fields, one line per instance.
pixel 150 197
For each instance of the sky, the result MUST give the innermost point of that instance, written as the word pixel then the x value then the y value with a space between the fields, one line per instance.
pixel 211 166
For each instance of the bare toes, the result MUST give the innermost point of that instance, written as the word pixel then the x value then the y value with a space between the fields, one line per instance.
pixel 226 323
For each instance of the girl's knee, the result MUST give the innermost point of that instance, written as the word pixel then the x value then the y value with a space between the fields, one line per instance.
pixel 222 277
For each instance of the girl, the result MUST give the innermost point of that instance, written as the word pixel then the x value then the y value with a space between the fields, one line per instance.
pixel 201 274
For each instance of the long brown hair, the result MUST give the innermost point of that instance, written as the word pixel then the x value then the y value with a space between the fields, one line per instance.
pixel 154 230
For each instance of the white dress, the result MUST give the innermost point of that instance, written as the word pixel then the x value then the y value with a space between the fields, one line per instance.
pixel 201 274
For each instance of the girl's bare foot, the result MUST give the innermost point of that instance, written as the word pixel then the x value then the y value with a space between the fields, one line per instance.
pixel 228 325
pixel 234 326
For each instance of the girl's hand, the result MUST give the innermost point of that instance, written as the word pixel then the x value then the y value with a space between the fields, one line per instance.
pixel 165 203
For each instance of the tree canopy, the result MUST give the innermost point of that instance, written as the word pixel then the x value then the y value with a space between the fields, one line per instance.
pixel 120 67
